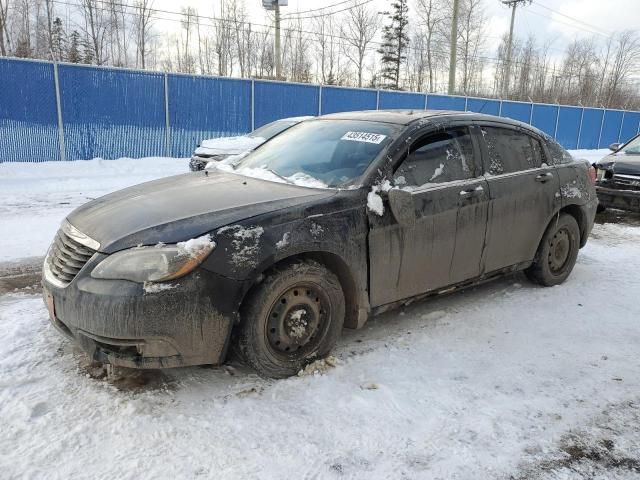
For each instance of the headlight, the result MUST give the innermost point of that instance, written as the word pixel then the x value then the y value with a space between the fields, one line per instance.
pixel 600 174
pixel 155 264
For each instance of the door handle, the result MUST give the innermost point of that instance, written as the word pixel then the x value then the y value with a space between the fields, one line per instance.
pixel 544 177
pixel 472 192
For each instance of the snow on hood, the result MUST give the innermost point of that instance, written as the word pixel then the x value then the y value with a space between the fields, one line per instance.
pixel 299 178
pixel 228 145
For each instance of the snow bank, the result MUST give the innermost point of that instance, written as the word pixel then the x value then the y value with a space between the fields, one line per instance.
pixel 36 197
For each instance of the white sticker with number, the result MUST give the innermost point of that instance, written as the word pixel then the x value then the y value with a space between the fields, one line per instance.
pixel 364 137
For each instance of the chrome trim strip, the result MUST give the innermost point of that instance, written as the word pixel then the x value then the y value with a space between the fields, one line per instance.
pixel 79 237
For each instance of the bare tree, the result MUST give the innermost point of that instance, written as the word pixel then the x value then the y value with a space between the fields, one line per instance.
pixel 142 28
pixel 432 16
pixel 359 30
pixel 4 30
pixel 472 37
pixel 625 62
pixel 96 24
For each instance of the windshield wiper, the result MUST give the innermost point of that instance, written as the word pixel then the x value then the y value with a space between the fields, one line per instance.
pixel 279 176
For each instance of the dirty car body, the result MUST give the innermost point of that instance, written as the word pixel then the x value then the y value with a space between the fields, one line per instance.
pixel 434 205
pixel 618 179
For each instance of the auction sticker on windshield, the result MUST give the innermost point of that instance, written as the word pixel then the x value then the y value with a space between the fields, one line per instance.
pixel 364 137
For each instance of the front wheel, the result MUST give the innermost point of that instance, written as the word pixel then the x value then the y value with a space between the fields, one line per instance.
pixel 557 252
pixel 292 318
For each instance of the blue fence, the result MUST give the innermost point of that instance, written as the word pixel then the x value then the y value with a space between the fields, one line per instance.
pixel 73 112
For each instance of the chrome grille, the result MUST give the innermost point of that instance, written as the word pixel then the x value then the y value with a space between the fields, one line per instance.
pixel 67 256
pixel 630 182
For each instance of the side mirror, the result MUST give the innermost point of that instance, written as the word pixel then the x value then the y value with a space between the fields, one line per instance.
pixel 614 147
pixel 402 207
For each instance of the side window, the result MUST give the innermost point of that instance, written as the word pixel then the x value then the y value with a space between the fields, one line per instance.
pixel 438 158
pixel 510 150
pixel 538 152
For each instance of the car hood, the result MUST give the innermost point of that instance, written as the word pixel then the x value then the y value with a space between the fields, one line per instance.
pixel 621 163
pixel 228 145
pixel 178 208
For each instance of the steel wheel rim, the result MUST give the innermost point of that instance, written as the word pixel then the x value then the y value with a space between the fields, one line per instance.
pixel 298 320
pixel 559 251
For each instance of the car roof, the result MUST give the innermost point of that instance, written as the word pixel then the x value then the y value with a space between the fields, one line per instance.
pixel 407 117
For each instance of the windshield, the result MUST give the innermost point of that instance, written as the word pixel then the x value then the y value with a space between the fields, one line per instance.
pixel 330 153
pixel 633 147
pixel 272 129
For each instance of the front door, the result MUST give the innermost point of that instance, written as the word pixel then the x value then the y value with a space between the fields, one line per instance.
pixel 450 197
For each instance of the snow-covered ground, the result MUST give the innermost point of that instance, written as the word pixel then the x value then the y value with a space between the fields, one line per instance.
pixel 36 197
pixel 505 380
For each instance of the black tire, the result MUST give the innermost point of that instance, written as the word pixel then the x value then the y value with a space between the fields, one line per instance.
pixel 557 253
pixel 292 318
pixel 600 208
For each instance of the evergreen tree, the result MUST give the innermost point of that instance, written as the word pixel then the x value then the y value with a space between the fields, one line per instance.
pixel 58 40
pixel 87 51
pixel 73 54
pixel 395 41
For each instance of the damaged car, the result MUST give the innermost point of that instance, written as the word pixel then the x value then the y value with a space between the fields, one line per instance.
pixel 618 177
pixel 218 149
pixel 334 220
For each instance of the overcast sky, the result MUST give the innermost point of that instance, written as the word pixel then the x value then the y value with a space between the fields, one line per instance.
pixel 591 16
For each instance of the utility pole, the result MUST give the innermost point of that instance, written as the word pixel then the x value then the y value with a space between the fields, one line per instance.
pixel 278 51
pixel 507 72
pixel 454 49
pixel 275 6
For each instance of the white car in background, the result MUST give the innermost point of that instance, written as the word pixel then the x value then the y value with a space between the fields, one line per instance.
pixel 217 149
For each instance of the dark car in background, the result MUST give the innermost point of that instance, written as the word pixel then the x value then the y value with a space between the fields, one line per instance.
pixel 218 149
pixel 618 177
pixel 335 219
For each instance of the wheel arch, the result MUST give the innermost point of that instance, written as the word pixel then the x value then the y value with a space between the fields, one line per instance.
pixel 356 305
pixel 578 213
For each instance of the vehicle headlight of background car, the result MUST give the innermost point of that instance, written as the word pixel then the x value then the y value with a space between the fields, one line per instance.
pixel 155 264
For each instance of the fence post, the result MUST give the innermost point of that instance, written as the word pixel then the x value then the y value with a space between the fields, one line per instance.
pixel 167 125
pixel 580 128
pixel 466 103
pixel 426 98
pixel 56 81
pixel 555 131
pixel 531 115
pixel 253 105
pixel 604 113
pixel 377 99
pixel 624 112
pixel 320 101
pixel 500 109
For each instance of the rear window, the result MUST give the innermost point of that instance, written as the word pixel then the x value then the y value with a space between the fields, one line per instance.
pixel 558 154
pixel 510 150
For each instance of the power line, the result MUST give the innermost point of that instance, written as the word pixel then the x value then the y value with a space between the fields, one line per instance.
pixel 317 9
pixel 572 18
pixel 331 13
pixel 594 32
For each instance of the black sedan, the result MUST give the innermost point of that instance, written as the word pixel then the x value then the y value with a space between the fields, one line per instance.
pixel 333 220
pixel 618 177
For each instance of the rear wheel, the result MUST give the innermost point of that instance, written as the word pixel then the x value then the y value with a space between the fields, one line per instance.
pixel 293 317
pixel 557 252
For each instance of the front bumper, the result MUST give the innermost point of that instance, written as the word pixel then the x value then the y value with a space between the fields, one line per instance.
pixel 619 198
pixel 184 322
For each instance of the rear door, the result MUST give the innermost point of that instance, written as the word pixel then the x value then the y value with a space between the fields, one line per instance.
pixel 524 194
pixel 450 197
